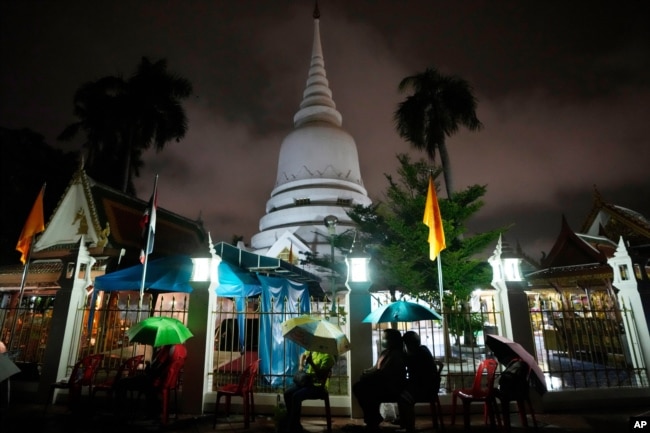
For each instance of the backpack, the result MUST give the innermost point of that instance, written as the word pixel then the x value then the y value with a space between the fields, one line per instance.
pixel 513 381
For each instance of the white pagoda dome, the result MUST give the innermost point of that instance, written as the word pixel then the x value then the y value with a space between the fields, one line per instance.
pixel 318 171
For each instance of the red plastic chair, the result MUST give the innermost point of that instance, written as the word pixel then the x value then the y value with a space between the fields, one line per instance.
pixel 477 393
pixel 128 368
pixel 171 381
pixel 83 374
pixel 243 389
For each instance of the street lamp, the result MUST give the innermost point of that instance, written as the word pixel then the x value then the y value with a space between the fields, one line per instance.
pixel 357 263
pixel 330 222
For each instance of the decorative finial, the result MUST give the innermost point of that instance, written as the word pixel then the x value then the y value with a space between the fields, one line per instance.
pixel 316 11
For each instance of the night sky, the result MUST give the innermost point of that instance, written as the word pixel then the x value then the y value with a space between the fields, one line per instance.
pixel 563 89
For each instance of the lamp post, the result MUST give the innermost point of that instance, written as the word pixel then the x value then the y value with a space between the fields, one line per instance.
pixel 331 222
pixel 360 335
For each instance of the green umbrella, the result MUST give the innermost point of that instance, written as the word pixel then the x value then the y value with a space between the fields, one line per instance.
pixel 159 331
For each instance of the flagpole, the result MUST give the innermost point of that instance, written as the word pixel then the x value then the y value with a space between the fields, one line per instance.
pixel 34 225
pixel 445 324
pixel 22 292
pixel 146 250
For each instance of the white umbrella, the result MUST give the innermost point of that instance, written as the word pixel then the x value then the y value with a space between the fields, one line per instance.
pixel 316 335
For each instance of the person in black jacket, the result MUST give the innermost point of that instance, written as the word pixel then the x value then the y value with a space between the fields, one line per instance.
pixel 384 382
pixel 422 374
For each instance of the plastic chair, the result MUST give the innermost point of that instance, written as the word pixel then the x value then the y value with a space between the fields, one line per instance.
pixel 323 394
pixel 477 393
pixel 521 398
pixel 435 407
pixel 83 374
pixel 243 389
pixel 128 368
pixel 171 381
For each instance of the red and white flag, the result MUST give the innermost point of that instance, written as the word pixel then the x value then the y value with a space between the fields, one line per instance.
pixel 148 223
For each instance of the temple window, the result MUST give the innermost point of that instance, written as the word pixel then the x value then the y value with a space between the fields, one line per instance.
pixel 302 201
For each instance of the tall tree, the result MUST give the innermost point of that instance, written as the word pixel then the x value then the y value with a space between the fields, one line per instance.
pixel 436 109
pixel 398 238
pixel 123 118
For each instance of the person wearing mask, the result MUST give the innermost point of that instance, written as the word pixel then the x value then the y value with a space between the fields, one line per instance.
pixel 384 382
pixel 317 365
pixel 421 376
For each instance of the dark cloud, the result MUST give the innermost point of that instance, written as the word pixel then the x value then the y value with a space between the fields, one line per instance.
pixel 563 87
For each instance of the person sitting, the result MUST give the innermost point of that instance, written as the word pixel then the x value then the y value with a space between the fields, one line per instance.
pixel 383 382
pixel 148 382
pixel 317 365
pixel 421 375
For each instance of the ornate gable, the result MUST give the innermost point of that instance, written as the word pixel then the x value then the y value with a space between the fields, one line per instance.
pixel 109 220
pixel 612 221
pixel 571 250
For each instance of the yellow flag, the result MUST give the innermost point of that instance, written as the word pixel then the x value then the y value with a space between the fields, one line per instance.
pixel 35 224
pixel 433 220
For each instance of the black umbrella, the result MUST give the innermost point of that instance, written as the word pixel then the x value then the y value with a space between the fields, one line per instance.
pixel 505 350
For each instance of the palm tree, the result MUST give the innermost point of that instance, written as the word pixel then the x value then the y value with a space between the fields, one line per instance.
pixel 439 105
pixel 154 114
pixel 121 119
pixel 97 106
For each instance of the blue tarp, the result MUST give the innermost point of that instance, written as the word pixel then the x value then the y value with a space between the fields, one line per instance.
pixel 168 274
pixel 239 285
pixel 234 282
pixel 290 298
pixel 278 295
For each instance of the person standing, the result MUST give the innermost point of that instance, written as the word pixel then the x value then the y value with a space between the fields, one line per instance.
pixel 317 365
pixel 384 382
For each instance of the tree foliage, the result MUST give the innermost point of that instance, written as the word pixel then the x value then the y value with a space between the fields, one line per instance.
pixel 397 238
pixel 122 118
pixel 439 105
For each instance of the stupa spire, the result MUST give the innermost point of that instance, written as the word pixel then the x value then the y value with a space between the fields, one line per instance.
pixel 317 103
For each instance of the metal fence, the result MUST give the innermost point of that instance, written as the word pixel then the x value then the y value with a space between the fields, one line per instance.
pixel 575 347
pixel 114 314
pixel 590 344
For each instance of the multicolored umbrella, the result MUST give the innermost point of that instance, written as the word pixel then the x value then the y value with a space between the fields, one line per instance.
pixel 317 335
pixel 505 350
pixel 159 331
pixel 401 311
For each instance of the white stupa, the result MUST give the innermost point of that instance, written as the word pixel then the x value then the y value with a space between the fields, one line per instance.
pixel 318 173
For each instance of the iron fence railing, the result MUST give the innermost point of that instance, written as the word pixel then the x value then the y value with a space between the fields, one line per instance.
pixel 575 347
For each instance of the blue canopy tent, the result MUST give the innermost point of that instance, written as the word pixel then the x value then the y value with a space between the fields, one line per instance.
pixel 243 274
pixel 168 274
pixel 276 359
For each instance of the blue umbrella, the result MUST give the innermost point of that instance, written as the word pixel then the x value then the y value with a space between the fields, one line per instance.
pixel 401 311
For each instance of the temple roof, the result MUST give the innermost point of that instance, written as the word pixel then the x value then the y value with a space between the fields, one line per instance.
pixel 109 222
pixel 614 221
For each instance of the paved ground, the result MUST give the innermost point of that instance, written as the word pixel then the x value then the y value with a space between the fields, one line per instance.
pixel 31 417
